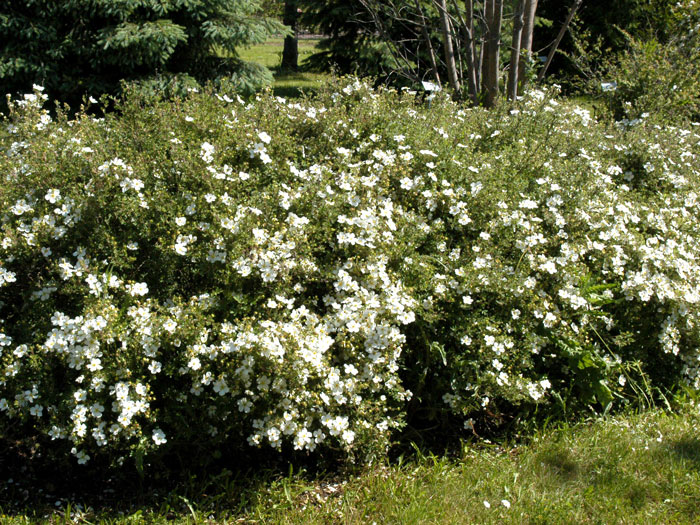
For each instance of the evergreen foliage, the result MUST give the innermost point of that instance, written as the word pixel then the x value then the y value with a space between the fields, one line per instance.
pixel 78 47
pixel 351 45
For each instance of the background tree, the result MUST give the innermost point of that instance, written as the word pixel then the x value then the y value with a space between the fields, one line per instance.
pixel 351 43
pixel 78 47
pixel 471 35
pixel 601 27
pixel 290 52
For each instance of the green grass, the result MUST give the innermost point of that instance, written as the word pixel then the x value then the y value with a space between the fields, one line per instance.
pixel 269 54
pixel 287 84
pixel 636 469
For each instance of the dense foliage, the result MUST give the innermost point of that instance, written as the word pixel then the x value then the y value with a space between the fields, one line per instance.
pixel 350 43
pixel 309 274
pixel 656 77
pixel 605 22
pixel 79 47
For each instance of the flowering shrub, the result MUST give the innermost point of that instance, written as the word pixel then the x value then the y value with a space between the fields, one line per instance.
pixel 304 274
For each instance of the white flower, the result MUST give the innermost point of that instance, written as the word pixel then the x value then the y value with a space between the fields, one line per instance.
pixel 53 196
pixel 96 410
pixel 244 405
pixel 159 437
pixel 505 503
pixel 207 153
pixel 302 439
pixel 406 183
pixel 137 289
pixel 528 204
pixel 487 504
pixel 7 276
pixel 94 365
pixel 264 137
pixel 220 387
pixel 180 221
pixel 348 436
pixel 169 325
pixel 81 455
pixel 194 363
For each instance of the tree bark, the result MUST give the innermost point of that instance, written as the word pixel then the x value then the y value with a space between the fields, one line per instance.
pixel 290 52
pixel 562 31
pixel 486 43
pixel 493 50
pixel 526 40
pixel 468 36
pixel 429 43
pixel 449 50
pixel 515 52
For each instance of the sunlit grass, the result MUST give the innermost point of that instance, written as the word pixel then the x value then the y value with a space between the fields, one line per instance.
pixel 287 84
pixel 641 469
pixel 269 54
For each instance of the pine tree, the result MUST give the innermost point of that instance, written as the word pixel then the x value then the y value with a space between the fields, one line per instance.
pixel 79 47
pixel 348 47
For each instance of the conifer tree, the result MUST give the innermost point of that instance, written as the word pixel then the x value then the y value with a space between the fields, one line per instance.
pixel 79 47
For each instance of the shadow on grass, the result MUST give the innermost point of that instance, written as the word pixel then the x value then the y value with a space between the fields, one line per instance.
pixel 560 462
pixel 687 450
pixel 293 91
pixel 685 453
pixel 295 84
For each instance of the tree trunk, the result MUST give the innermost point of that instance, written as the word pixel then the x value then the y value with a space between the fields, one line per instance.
pixel 526 40
pixel 486 43
pixel 562 31
pixel 290 52
pixel 449 50
pixel 492 52
pixel 515 52
pixel 429 43
pixel 468 36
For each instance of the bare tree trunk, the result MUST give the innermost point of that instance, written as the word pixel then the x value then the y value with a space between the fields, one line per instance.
pixel 486 44
pixel 480 65
pixel 492 52
pixel 290 52
pixel 449 50
pixel 456 43
pixel 468 37
pixel 526 39
pixel 515 52
pixel 562 31
pixel 428 42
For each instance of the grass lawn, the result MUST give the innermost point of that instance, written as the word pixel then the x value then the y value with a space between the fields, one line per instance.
pixel 287 84
pixel 637 469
